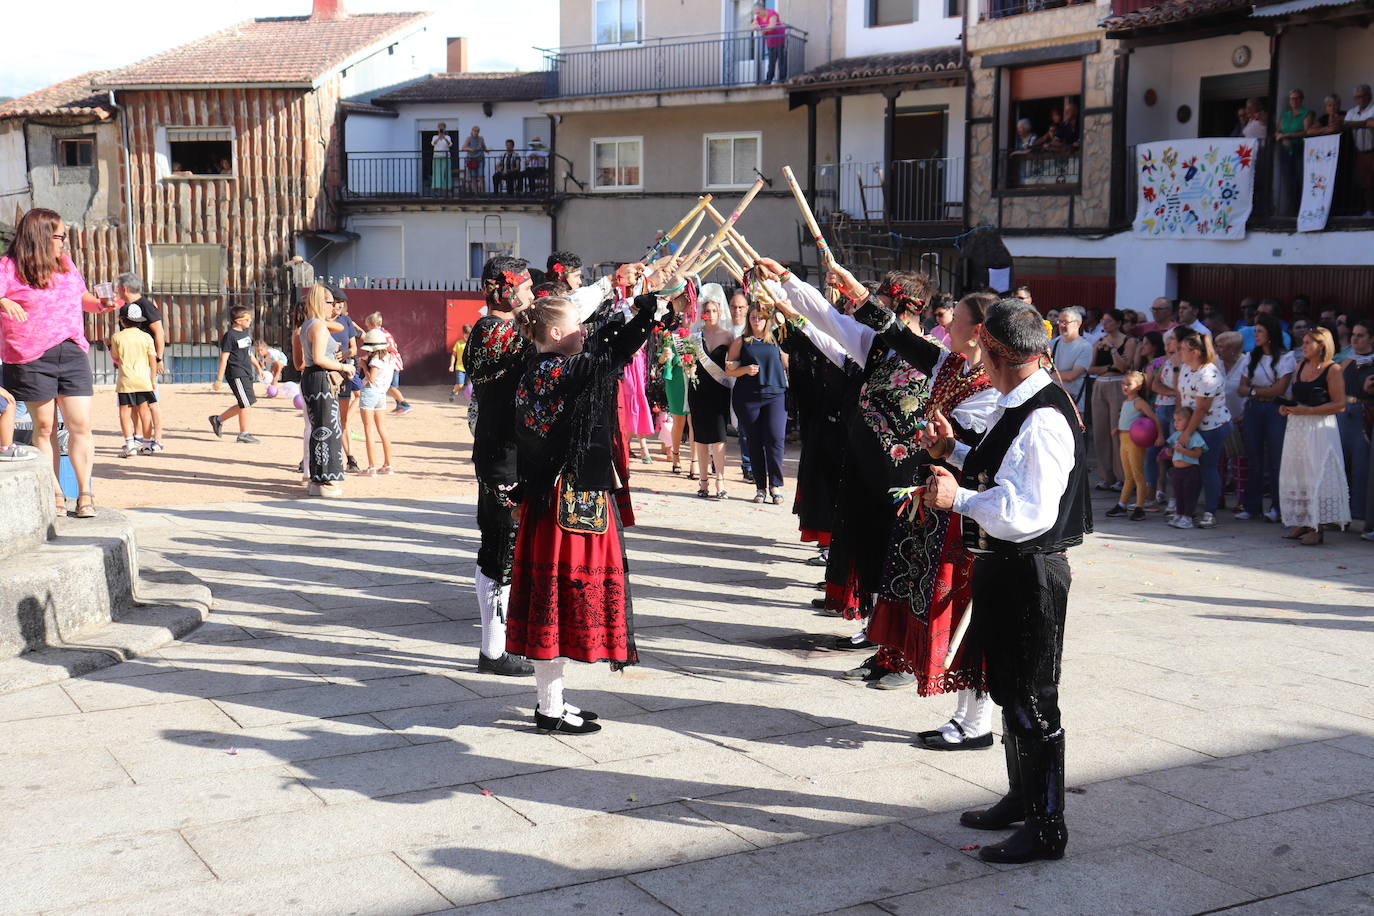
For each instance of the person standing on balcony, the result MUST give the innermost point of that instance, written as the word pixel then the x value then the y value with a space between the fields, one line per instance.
pixel 1257 121
pixel 1360 122
pixel 1294 123
pixel 769 25
pixel 440 168
pixel 474 165
pixel 536 172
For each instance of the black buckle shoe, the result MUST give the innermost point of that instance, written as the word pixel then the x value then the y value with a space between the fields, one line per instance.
pixel 940 743
pixel 506 666
pixel 845 644
pixel 550 724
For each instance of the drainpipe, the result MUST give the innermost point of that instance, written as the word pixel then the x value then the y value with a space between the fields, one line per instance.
pixel 553 211
pixel 126 193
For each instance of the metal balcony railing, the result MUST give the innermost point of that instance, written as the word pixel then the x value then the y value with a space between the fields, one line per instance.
pixel 1000 9
pixel 710 61
pixel 399 174
pixel 906 191
pixel 1041 169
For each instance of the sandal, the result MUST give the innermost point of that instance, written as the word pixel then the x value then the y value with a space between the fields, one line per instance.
pixel 85 506
pixel 61 504
pixel 1297 532
pixel 677 469
pixel 760 496
pixel 692 475
pixel 721 494
pixel 384 470
pixel 704 493
pixel 1312 538
pixel 776 496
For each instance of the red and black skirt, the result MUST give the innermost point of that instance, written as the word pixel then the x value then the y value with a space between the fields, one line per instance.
pixel 927 587
pixel 570 595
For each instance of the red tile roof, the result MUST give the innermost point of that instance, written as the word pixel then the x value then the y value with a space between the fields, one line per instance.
pixel 471 87
pixel 884 67
pixel 72 97
pixel 291 50
pixel 1169 12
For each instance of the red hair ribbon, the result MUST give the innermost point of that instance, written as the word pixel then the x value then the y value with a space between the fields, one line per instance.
pixel 515 277
pixel 543 293
pixel 559 268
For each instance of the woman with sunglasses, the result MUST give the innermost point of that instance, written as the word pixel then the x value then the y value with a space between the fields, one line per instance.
pixel 43 345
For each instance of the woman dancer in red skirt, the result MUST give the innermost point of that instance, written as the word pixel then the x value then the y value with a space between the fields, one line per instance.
pixel 570 598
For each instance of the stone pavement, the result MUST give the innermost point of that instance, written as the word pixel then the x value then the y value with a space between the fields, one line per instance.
pixel 324 745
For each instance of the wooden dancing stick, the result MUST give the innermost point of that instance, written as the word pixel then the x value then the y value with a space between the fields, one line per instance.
pixel 731 265
pixel 746 251
pixel 688 235
pixel 810 218
pixel 709 264
pixel 733 218
pixel 702 203
pixel 689 260
pixel 958 639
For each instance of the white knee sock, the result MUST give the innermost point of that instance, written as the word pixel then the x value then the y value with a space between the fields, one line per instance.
pixel 493 623
pixel 961 706
pixel 978 718
pixel 548 684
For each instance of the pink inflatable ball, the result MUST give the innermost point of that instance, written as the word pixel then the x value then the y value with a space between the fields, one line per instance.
pixel 299 402
pixel 1143 432
pixel 271 391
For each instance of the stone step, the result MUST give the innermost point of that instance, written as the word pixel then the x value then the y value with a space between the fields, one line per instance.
pixel 168 602
pixel 27 508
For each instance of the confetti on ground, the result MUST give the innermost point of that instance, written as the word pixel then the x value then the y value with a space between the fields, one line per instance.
pixel 232 752
pixel 970 847
pixel 486 791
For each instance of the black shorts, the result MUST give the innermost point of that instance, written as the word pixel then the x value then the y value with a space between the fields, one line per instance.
pixel 243 391
pixel 62 371
pixel 134 398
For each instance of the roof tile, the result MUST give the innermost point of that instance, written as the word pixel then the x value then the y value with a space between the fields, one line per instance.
pixel 471 87
pixel 875 67
pixel 1168 12
pixel 70 97
pixel 290 49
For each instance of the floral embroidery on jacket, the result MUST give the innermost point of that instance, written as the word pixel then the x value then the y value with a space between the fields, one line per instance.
pixel 494 348
pixel 535 402
pixel 891 402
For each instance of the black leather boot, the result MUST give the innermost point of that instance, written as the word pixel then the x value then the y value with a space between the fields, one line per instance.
pixel 1044 835
pixel 1012 808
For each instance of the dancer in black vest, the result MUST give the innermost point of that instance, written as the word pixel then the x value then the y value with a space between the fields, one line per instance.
pixel 1024 503
pixel 495 358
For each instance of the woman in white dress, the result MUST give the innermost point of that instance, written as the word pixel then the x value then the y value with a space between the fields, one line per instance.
pixel 440 168
pixel 1312 486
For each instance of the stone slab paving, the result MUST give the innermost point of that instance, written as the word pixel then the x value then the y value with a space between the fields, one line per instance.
pixel 324 744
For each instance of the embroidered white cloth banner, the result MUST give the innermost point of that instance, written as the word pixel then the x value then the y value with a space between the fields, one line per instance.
pixel 1319 155
pixel 1194 189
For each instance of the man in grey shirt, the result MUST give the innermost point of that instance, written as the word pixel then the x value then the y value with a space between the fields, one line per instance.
pixel 1072 353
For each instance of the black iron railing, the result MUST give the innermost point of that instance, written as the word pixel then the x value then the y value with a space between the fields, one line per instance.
pixel 1000 9
pixel 520 174
pixel 715 60
pixel 907 190
pixel 1040 169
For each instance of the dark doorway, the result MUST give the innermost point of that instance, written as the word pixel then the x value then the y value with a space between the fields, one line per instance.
pixel 1221 97
pixel 917 174
pixel 427 184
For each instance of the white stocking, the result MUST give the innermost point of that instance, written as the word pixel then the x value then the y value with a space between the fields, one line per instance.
pixel 548 684
pixel 978 719
pixel 964 698
pixel 493 623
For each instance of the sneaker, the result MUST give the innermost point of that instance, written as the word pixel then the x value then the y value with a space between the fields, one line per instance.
pixel 247 438
pixel 217 425
pixel 14 452
pixel 1172 507
pixel 895 680
pixel 352 465
pixel 402 408
pixel 1116 511
pixel 1367 536
pixel 1138 514
pixel 748 476
pixel 1207 521
pixel 150 446
pixel 1153 507
pixel 1243 516
pixel 866 670
pixel 1272 515
pixel 128 450
pixel 1173 521
pixel 1185 522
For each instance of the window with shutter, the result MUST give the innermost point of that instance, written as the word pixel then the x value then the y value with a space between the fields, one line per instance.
pixel 891 12
pixel 730 159
pixel 1043 134
pixel 186 268
pixel 197 152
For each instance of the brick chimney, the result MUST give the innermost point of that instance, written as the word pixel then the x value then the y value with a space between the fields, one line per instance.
pixel 457 55
pixel 328 10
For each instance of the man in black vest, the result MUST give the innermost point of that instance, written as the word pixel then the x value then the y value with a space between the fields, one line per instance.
pixel 1024 501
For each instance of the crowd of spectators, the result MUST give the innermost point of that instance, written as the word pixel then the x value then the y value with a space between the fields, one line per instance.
pixel 1278 408
pixel 1287 130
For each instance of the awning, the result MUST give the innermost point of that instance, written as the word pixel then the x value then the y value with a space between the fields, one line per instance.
pixel 1298 6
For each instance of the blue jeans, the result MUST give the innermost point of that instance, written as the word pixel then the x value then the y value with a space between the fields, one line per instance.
pixel 1263 431
pixel 1211 465
pixel 1355 447
pixel 1166 426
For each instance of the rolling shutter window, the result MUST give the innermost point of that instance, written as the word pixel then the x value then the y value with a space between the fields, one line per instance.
pixel 1254 84
pixel 199 134
pixel 1047 81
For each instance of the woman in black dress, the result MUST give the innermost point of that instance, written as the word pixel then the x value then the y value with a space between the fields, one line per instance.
pixel 709 393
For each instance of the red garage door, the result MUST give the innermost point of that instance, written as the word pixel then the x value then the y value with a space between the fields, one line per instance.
pixel 1057 283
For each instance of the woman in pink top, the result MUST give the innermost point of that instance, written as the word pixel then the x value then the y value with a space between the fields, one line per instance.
pixel 43 344
pixel 769 24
